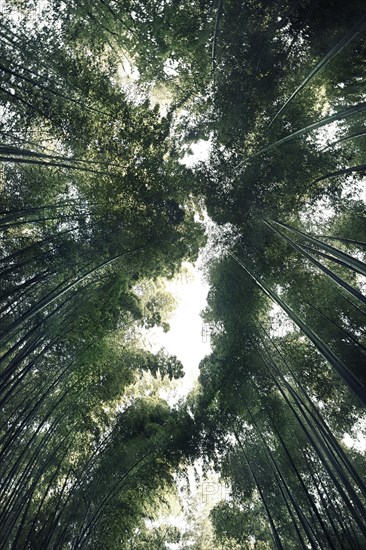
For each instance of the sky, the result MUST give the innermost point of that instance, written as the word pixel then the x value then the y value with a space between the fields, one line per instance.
pixel 184 338
pixel 187 338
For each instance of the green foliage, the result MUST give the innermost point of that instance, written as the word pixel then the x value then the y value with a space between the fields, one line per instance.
pixel 97 209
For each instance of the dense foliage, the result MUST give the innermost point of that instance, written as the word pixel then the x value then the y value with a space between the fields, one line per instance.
pixel 97 207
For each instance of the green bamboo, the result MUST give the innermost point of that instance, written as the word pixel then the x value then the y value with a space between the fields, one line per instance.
pixel 340 368
pixel 341 115
pixel 341 282
pixel 345 40
pixel 347 258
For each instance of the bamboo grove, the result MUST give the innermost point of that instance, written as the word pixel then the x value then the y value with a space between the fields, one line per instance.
pixel 97 206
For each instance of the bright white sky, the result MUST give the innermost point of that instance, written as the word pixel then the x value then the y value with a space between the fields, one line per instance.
pixel 184 338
